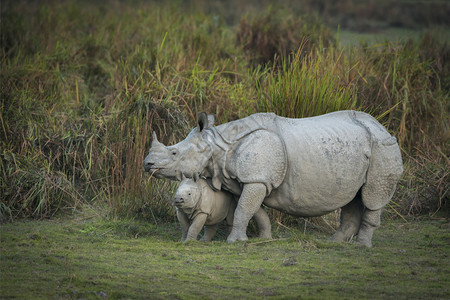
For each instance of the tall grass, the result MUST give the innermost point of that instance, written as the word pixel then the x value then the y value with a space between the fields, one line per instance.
pixel 399 78
pixel 83 87
pixel 305 87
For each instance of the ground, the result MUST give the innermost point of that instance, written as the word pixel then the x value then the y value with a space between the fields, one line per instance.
pixel 73 258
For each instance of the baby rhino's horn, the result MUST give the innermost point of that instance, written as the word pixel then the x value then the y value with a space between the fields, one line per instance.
pixel 196 177
pixel 179 175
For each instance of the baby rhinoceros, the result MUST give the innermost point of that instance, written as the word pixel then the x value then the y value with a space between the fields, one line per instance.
pixel 199 205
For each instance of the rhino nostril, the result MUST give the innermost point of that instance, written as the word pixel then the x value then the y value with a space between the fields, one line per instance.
pixel 148 166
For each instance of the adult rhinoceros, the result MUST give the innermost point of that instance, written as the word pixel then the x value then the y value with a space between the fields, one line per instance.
pixel 304 167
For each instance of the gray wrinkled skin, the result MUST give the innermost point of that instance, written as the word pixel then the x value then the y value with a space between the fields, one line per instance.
pixel 198 205
pixel 304 167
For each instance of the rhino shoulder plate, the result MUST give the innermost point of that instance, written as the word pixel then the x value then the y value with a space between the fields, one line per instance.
pixel 259 157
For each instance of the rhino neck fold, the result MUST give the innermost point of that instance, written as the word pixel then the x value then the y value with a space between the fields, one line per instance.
pixel 216 165
pixel 216 170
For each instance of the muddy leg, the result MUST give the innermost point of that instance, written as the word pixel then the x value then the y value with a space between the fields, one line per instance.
pixel 252 197
pixel 350 221
pixel 370 222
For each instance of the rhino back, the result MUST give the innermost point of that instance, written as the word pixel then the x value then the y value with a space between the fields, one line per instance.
pixel 327 161
pixel 326 157
pixel 236 130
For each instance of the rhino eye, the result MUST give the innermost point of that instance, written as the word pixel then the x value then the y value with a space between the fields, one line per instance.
pixel 174 152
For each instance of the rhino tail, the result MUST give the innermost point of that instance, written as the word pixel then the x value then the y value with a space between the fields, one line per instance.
pixel 390 141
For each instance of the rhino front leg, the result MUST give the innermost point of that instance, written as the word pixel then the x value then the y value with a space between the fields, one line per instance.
pixel 184 222
pixel 196 226
pixel 370 222
pixel 252 197
pixel 230 216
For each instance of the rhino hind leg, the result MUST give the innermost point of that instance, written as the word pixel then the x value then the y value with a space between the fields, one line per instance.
pixel 382 176
pixel 210 231
pixel 350 220
pixel 370 222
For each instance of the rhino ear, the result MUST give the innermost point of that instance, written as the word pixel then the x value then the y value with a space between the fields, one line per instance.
pixel 205 121
pixel 196 177
pixel 179 176
pixel 211 120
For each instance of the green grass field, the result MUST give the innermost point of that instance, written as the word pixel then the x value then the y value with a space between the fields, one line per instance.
pixel 95 259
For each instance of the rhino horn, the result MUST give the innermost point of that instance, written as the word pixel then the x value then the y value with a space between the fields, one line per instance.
pixel 155 140
pixel 205 121
pixel 179 175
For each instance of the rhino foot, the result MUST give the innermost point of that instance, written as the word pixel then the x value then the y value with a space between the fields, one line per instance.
pixel 368 245
pixel 265 234
pixel 337 237
pixel 361 240
pixel 233 237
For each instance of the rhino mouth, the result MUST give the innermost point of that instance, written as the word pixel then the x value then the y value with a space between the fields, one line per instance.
pixel 152 170
pixel 151 167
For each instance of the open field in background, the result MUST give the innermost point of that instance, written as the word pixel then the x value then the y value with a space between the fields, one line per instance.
pixel 352 38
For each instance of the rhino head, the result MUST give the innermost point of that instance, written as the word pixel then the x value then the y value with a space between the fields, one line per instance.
pixel 188 193
pixel 188 156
